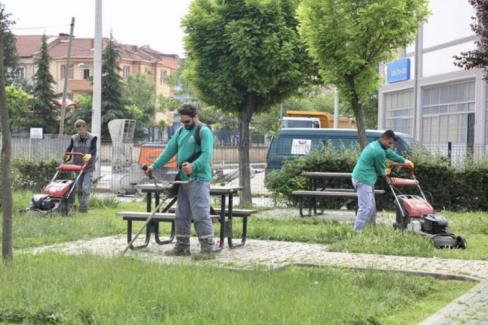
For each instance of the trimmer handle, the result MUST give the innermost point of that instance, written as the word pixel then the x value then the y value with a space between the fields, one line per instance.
pixel 148 172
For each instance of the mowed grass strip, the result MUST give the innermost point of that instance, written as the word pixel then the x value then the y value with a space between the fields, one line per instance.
pixel 59 289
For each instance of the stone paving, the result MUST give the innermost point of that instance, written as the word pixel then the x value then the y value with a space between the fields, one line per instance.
pixel 471 308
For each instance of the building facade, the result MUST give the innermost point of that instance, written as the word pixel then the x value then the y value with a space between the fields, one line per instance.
pixel 133 60
pixel 426 95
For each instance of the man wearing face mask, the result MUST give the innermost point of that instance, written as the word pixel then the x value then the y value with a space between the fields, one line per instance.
pixel 193 200
pixel 370 165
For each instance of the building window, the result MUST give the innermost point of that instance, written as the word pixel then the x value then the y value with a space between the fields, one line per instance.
pixel 20 72
pixel 399 111
pixel 70 71
pixel 126 72
pixel 447 113
pixel 162 76
pixel 85 72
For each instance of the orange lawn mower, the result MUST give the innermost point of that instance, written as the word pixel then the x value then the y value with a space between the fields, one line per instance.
pixel 56 197
pixel 414 213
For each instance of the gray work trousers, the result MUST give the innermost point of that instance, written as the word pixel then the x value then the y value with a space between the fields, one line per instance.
pixel 193 203
pixel 366 205
pixel 83 188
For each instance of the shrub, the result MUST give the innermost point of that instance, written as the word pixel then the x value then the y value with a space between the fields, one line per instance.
pixel 446 187
pixel 33 174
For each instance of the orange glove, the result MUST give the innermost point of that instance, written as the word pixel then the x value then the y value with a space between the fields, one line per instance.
pixel 410 163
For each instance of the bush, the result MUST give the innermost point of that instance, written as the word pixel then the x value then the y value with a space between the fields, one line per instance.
pixel 33 174
pixel 446 187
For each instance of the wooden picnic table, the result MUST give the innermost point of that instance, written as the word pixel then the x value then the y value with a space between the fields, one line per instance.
pixel 224 214
pixel 319 190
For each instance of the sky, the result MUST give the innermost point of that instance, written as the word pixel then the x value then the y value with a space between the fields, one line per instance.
pixel 138 22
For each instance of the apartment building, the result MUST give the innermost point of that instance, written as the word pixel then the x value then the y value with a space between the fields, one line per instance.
pixel 133 60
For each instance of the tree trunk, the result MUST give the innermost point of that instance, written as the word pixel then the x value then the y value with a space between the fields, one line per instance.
pixel 6 154
pixel 359 114
pixel 245 115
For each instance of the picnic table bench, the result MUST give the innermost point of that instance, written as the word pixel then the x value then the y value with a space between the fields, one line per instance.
pixel 316 194
pixel 223 215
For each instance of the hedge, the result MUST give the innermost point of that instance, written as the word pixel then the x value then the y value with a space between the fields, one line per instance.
pixel 31 174
pixel 446 187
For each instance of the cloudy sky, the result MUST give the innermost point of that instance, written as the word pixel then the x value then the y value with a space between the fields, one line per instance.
pixel 138 22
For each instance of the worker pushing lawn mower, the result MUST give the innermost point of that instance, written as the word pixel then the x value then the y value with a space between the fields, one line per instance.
pixel 58 195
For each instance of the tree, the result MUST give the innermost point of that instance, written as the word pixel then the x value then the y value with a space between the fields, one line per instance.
pixel 140 100
pixel 10 59
pixel 44 114
pixel 112 102
pixel 7 252
pixel 19 104
pixel 477 58
pixel 350 38
pixel 82 111
pixel 243 57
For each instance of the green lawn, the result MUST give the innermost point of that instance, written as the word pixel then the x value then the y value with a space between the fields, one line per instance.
pixel 102 221
pixel 380 240
pixel 59 289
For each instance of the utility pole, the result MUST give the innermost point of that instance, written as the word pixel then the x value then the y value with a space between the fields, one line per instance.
pixel 96 126
pixel 66 75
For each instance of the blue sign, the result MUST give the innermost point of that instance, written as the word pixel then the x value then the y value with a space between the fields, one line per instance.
pixel 398 71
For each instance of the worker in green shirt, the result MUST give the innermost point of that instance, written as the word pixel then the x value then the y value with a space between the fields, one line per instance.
pixel 193 199
pixel 370 165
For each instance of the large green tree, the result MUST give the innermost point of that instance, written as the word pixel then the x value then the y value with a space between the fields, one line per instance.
pixel 350 38
pixel 112 100
pixel 44 114
pixel 477 58
pixel 243 57
pixel 10 59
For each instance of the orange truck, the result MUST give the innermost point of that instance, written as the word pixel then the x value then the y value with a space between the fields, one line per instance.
pixel 326 119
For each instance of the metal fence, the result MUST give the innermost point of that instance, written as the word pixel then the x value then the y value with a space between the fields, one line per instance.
pixel 121 171
pixel 459 154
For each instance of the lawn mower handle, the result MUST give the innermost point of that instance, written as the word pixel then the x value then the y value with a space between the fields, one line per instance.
pixel 74 154
pixel 403 166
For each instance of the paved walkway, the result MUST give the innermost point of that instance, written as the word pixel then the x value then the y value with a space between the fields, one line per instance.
pixel 469 309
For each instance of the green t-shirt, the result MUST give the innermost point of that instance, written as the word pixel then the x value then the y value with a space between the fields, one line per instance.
pixel 372 163
pixel 183 145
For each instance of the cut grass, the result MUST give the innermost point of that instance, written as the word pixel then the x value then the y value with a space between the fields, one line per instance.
pixel 55 289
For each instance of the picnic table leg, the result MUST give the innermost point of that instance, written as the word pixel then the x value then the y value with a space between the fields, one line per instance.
pixel 229 223
pixel 171 236
pixel 129 235
pixel 222 221
pixel 301 206
pixel 148 202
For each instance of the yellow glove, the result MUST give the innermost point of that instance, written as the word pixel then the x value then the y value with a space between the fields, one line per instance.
pixel 86 158
pixel 388 171
pixel 408 162
pixel 66 158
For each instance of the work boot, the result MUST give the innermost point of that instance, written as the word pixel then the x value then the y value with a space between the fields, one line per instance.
pixel 178 250
pixel 207 253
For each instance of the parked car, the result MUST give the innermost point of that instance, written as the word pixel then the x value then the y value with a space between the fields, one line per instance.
pixel 293 142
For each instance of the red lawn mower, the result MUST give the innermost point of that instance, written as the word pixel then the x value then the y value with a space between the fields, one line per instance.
pixel 56 196
pixel 414 212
